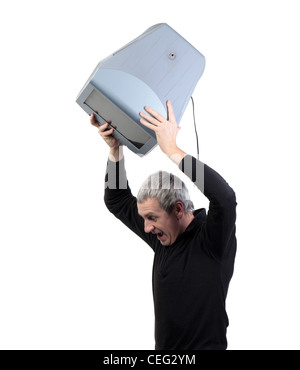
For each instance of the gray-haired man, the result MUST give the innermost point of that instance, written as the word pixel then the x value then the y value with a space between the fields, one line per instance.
pixel 194 252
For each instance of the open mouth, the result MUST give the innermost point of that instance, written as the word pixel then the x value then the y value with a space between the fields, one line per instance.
pixel 160 234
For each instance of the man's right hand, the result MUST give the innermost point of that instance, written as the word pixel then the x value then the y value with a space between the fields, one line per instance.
pixel 106 134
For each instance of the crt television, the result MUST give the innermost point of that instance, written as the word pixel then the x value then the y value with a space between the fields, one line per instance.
pixel 157 66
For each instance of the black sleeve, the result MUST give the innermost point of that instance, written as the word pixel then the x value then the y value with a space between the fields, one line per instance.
pixel 219 232
pixel 120 201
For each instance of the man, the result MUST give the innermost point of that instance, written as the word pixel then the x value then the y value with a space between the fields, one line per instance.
pixel 194 251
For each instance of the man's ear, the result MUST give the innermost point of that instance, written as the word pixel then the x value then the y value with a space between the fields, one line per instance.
pixel 179 210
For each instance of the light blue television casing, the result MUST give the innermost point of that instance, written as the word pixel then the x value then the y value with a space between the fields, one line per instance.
pixel 157 66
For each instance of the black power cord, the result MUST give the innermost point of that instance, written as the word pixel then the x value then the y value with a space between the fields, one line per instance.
pixel 195 126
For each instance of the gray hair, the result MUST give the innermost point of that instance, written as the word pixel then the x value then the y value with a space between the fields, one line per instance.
pixel 167 189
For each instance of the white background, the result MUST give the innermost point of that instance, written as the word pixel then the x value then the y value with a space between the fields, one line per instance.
pixel 71 276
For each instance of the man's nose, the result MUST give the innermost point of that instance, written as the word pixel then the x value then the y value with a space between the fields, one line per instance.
pixel 148 227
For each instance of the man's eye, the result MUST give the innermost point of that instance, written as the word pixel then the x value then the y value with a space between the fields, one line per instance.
pixel 151 218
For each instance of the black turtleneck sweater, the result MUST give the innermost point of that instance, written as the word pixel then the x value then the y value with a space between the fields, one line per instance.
pixel 190 277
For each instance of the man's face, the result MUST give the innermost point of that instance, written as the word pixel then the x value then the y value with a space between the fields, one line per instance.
pixel 158 221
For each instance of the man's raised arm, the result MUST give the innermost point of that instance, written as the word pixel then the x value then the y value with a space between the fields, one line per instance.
pixel 220 224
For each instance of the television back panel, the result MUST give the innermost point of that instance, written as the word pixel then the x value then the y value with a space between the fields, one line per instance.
pixel 157 66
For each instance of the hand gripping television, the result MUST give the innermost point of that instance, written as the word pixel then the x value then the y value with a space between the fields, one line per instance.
pixel 157 66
